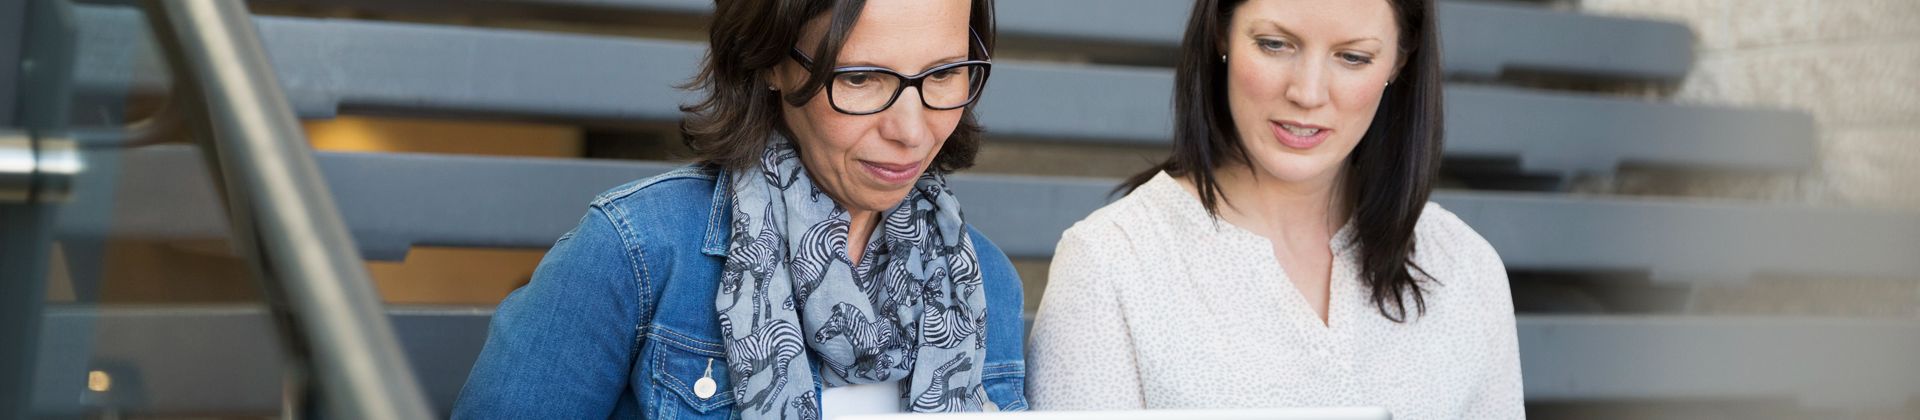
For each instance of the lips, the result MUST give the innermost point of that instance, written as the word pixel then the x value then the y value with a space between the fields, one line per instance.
pixel 892 173
pixel 1299 135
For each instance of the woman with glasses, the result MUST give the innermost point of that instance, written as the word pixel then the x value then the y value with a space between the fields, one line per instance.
pixel 812 259
pixel 1286 254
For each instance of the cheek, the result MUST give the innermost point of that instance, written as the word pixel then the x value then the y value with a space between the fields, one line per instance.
pixel 1253 91
pixel 826 138
pixel 1358 101
pixel 942 124
pixel 1249 83
pixel 833 133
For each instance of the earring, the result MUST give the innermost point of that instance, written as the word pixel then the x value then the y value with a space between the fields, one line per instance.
pixel 1223 58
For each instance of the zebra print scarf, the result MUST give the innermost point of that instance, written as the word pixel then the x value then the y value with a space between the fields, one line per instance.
pixel 913 309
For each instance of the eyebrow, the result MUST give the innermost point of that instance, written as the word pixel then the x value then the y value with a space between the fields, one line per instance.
pixel 935 63
pixel 1283 30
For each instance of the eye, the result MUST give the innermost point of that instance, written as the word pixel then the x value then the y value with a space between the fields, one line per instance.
pixel 1272 45
pixel 943 75
pixel 856 79
pixel 1355 59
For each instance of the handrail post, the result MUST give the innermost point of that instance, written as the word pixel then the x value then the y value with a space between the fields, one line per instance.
pixel 283 216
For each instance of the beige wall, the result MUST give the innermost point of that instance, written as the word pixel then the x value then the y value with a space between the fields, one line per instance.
pixel 1853 64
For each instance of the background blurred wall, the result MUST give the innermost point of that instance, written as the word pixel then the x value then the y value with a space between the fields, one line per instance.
pixel 1854 64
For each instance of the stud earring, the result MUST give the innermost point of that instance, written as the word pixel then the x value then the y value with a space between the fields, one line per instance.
pixel 1223 58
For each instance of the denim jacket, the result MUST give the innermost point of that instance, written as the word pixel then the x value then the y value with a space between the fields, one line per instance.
pixel 618 321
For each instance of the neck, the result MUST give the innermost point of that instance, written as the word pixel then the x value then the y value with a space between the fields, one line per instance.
pixel 860 225
pixel 1279 209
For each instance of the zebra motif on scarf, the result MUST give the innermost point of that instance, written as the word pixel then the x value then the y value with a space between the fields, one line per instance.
pixel 915 296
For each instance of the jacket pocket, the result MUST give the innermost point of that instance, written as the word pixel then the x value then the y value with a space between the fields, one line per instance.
pixel 690 380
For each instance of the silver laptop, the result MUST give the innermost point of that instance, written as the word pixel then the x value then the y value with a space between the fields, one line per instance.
pixel 1317 413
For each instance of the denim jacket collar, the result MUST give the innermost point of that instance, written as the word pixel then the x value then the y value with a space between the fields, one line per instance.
pixel 718 230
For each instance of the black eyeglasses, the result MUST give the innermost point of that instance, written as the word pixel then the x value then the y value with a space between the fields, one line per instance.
pixel 862 90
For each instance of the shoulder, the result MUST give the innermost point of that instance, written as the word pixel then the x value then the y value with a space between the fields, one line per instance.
pixel 649 228
pixel 1111 220
pixel 996 269
pixel 1153 221
pixel 671 207
pixel 1452 253
pixel 994 262
pixel 1102 252
pixel 1102 236
pixel 1135 216
pixel 985 249
pixel 687 186
pixel 1443 233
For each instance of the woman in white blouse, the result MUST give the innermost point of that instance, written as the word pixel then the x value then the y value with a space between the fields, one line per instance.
pixel 1286 254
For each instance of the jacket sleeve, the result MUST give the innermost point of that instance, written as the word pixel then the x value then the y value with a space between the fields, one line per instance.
pixel 562 345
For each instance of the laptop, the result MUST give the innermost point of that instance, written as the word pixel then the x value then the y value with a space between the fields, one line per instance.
pixel 1315 413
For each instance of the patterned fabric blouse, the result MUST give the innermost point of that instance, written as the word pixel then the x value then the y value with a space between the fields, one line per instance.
pixel 1152 304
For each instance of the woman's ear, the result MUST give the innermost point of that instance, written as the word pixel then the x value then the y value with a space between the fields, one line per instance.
pixel 1220 43
pixel 774 78
pixel 1221 33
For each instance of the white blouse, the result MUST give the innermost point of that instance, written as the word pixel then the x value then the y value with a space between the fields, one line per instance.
pixel 1150 303
pixel 862 399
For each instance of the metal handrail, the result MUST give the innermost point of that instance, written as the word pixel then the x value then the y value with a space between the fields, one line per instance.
pixel 284 218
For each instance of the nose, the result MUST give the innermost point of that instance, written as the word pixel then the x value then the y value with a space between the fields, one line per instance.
pixel 1307 85
pixel 906 121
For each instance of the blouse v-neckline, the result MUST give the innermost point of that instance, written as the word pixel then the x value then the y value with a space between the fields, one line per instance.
pixel 1287 294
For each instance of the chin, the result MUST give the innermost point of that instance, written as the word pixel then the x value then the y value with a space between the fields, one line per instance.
pixel 1291 168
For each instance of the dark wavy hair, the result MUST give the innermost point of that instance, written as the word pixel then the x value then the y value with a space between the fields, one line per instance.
pixel 1389 174
pixel 729 126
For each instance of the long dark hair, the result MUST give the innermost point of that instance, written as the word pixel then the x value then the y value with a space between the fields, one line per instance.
pixel 729 125
pixel 1389 174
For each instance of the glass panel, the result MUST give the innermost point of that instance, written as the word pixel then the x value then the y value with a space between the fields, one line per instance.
pixel 139 305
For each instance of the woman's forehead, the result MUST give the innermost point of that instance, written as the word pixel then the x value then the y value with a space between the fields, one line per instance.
pixel 1328 21
pixel 904 35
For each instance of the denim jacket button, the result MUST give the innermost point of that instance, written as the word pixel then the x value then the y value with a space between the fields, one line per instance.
pixel 705 387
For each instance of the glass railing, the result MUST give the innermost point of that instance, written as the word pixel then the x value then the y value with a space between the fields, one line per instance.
pixel 124 287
